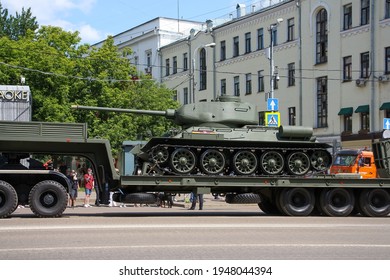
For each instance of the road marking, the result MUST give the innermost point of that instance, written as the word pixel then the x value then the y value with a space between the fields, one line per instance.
pixel 179 246
pixel 185 226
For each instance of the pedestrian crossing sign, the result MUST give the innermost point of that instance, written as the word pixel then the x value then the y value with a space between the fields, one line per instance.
pixel 272 119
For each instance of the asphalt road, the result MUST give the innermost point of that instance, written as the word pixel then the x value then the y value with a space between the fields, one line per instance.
pixel 220 231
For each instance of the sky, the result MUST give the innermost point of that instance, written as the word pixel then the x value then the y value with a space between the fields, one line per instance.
pixel 96 19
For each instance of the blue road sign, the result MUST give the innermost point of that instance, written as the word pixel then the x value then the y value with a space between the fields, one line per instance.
pixel 272 104
pixel 386 123
pixel 272 119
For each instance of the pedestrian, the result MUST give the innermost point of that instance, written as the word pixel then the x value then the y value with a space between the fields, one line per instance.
pixel 72 177
pixel 89 182
pixel 194 200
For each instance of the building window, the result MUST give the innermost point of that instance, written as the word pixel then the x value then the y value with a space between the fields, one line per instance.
pixel 167 67
pixel 248 42
pixel 237 86
pixel 365 121
pixel 175 95
pixel 291 74
pixel 185 62
pixel 260 81
pixel 290 29
pixel 274 37
pixel 185 95
pixel 248 83
pixel 364 65
pixel 347 68
pixel 174 70
pixel 347 123
pixel 262 118
pixel 223 50
pixel 387 9
pixel 365 12
pixel 291 116
pixel 387 60
pixel 203 70
pixel 236 46
pixel 223 87
pixel 347 17
pixel 322 102
pixel 322 36
pixel 148 59
pixel 260 39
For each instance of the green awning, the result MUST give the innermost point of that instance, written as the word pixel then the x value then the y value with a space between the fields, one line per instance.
pixel 385 106
pixel 363 109
pixel 346 111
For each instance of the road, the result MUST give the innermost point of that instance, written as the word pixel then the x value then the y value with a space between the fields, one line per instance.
pixel 220 231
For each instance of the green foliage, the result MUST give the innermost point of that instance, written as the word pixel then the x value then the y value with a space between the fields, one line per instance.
pixel 60 72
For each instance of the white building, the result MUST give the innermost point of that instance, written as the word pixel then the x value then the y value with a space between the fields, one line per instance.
pixel 146 39
pixel 332 65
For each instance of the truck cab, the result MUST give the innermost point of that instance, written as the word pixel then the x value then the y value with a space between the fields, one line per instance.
pixel 355 161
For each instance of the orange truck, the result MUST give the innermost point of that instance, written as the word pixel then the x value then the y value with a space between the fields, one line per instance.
pixel 355 161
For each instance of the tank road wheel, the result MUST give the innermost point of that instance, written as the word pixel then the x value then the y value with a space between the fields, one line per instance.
pixel 337 202
pixel 272 163
pixel 374 202
pixel 160 154
pixel 48 199
pixel 8 199
pixel 297 201
pixel 244 162
pixel 320 160
pixel 298 163
pixel 183 161
pixel 212 161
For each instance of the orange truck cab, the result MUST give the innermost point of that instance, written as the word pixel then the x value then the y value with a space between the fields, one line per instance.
pixel 354 161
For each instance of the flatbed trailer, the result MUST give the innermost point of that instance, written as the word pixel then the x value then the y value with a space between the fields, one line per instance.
pixel 45 191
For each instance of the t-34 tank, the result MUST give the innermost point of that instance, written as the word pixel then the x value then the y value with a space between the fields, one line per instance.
pixel 222 138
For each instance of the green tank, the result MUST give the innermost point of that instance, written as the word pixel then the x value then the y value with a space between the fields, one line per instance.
pixel 223 137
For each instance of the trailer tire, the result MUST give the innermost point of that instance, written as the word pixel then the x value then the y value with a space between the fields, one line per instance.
pixel 297 201
pixel 48 199
pixel 243 198
pixel 374 202
pixel 8 199
pixel 144 198
pixel 337 202
pixel 268 207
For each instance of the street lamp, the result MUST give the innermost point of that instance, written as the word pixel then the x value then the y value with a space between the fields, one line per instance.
pixel 273 74
pixel 211 45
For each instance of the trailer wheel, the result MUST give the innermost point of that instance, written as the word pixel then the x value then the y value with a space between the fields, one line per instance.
pixel 144 198
pixel 337 202
pixel 374 202
pixel 297 201
pixel 8 199
pixel 268 207
pixel 243 198
pixel 48 199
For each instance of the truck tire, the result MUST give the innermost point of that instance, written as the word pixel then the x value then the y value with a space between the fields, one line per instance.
pixel 8 199
pixel 48 199
pixel 243 198
pixel 268 207
pixel 337 202
pixel 144 198
pixel 374 202
pixel 297 201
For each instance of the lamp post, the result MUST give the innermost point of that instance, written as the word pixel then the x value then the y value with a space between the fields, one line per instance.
pixel 272 28
pixel 211 45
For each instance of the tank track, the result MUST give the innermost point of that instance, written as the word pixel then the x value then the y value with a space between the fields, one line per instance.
pixel 242 161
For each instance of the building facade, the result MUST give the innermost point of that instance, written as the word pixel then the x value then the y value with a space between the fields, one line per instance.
pixel 331 65
pixel 15 103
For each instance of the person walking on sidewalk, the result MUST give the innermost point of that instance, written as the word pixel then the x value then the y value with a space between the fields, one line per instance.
pixel 194 199
pixel 89 185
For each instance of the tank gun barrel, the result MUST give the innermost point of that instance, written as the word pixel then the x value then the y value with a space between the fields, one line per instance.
pixel 169 114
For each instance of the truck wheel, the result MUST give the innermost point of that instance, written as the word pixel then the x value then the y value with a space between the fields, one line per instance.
pixel 8 199
pixel 297 201
pixel 268 207
pixel 374 202
pixel 48 199
pixel 337 202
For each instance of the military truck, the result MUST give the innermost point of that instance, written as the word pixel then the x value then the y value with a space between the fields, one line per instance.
pixel 291 178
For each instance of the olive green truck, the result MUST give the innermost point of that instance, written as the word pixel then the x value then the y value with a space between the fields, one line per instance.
pixel 24 182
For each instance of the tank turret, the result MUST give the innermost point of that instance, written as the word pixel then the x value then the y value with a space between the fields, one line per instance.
pixel 223 137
